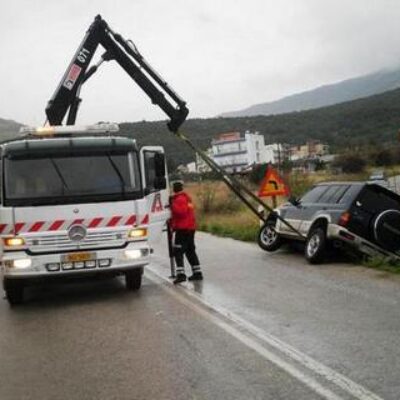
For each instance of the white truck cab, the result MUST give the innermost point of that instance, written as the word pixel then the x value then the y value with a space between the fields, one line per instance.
pixel 78 201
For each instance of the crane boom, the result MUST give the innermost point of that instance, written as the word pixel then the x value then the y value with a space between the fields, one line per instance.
pixel 66 100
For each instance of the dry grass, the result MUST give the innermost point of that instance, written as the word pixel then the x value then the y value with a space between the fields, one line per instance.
pixel 220 212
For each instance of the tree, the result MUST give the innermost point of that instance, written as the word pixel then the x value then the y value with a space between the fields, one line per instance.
pixel 350 163
pixel 384 158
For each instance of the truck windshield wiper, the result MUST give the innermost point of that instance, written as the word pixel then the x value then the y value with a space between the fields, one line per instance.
pixel 65 186
pixel 118 172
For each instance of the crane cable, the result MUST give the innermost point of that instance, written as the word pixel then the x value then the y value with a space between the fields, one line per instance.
pixel 236 186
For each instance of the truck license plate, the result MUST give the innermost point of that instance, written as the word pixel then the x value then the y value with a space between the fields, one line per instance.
pixel 78 257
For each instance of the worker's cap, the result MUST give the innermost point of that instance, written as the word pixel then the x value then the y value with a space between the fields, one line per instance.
pixel 177 186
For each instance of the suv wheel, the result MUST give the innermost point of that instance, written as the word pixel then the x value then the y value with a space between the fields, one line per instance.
pixel 14 292
pixel 386 230
pixel 268 239
pixel 133 279
pixel 316 244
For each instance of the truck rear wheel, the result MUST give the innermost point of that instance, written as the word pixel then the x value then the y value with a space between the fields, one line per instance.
pixel 133 279
pixel 14 292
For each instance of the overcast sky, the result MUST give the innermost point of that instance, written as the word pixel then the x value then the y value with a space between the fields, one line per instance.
pixel 219 55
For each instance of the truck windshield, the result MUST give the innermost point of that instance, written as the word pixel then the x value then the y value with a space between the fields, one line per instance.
pixel 75 179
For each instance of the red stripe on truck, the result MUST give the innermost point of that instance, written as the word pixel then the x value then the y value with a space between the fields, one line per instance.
pixel 36 226
pixel 114 221
pixel 131 220
pixel 56 225
pixel 17 227
pixel 95 222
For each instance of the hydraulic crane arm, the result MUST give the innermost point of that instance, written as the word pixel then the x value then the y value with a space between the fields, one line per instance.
pixel 66 99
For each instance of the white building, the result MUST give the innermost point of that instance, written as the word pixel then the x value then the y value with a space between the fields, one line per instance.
pixel 276 153
pixel 191 167
pixel 201 166
pixel 235 152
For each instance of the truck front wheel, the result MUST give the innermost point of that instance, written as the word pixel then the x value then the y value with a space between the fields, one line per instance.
pixel 14 292
pixel 133 279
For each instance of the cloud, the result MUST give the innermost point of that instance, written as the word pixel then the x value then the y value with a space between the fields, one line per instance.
pixel 219 55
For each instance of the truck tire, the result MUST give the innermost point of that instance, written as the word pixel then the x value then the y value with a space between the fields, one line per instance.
pixel 133 279
pixel 267 237
pixel 14 292
pixel 316 246
pixel 386 230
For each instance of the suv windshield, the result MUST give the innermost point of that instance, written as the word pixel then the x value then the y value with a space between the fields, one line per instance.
pixel 71 179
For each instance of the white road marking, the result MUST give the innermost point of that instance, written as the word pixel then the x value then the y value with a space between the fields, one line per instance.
pixel 357 391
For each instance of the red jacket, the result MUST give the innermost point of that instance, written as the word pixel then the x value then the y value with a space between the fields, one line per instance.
pixel 182 212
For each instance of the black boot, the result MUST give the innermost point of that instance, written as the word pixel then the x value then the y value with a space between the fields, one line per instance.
pixel 179 278
pixel 197 276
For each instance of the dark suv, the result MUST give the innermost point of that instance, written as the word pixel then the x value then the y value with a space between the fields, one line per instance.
pixel 362 215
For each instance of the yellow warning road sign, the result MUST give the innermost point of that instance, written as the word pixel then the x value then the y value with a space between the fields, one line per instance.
pixel 272 185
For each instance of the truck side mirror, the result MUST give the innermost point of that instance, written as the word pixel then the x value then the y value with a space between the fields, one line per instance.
pixel 159 165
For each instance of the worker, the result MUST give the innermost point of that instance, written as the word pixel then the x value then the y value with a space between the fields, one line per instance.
pixel 184 226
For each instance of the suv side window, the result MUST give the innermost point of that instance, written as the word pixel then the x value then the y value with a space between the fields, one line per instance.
pixel 314 194
pixel 333 194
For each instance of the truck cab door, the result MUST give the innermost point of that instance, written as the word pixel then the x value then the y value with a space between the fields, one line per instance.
pixel 155 184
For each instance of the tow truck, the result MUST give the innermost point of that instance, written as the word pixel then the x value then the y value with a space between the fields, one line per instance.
pixel 82 201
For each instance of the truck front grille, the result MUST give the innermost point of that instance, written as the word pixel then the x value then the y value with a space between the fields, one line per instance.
pixel 61 241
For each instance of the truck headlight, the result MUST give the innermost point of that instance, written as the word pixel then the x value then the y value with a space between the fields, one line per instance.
pixel 137 233
pixel 22 263
pixel 15 241
pixel 133 254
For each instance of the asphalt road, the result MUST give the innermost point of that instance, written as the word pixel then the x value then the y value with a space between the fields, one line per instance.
pixel 259 327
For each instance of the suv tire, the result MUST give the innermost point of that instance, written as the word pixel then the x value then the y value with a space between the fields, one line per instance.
pixel 14 292
pixel 386 230
pixel 316 246
pixel 267 237
pixel 133 279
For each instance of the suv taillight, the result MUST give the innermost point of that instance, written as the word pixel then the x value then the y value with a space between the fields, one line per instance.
pixel 344 218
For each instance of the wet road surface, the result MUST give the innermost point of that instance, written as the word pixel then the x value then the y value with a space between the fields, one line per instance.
pixel 260 326
pixel 97 341
pixel 345 317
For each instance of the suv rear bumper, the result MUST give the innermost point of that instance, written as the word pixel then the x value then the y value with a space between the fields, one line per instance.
pixel 337 232
pixel 134 255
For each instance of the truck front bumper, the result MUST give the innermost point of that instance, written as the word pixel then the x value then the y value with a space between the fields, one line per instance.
pixel 22 265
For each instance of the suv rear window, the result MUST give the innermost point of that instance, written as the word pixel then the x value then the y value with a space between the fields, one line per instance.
pixel 373 200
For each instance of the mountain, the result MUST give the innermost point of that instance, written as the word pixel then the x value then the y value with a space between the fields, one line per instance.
pixel 347 90
pixel 8 128
pixel 372 120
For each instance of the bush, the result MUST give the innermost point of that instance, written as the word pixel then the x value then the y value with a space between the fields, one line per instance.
pixel 206 196
pixel 383 158
pixel 350 163
pixel 257 173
